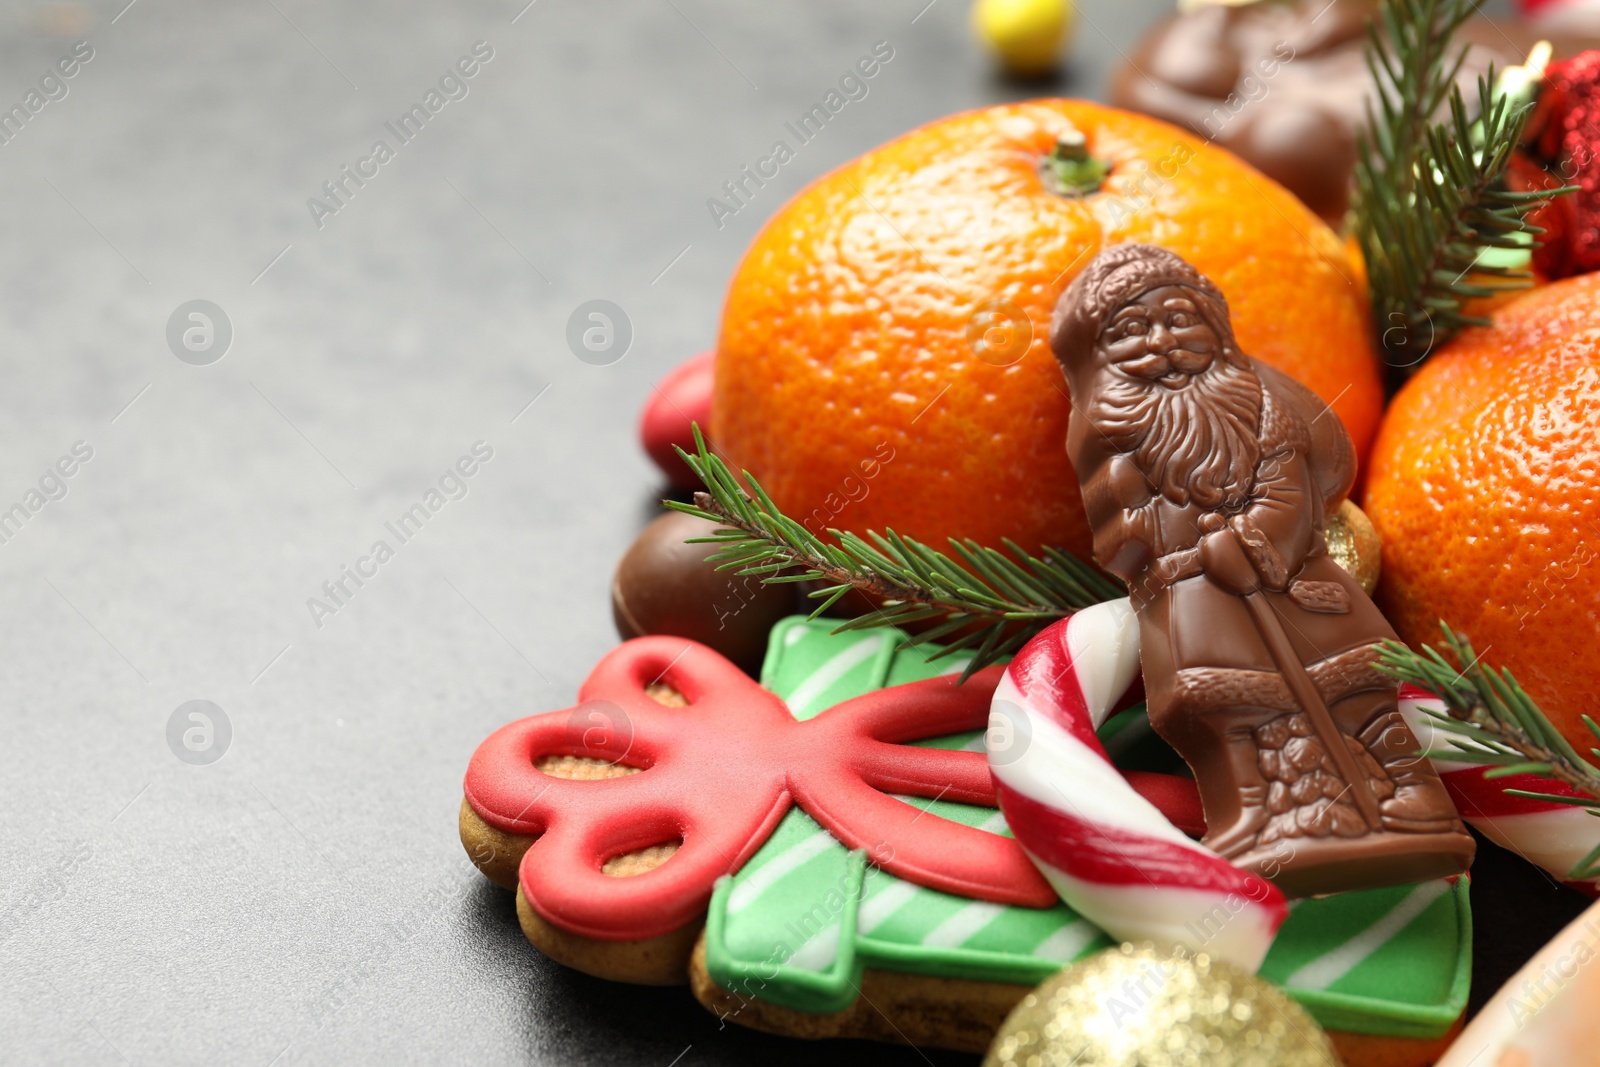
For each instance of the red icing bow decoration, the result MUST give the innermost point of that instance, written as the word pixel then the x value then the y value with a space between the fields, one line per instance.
pixel 719 774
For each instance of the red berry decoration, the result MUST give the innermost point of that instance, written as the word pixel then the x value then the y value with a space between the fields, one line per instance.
pixel 1564 139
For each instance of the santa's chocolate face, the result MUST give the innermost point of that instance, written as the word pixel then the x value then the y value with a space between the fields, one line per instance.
pixel 1161 337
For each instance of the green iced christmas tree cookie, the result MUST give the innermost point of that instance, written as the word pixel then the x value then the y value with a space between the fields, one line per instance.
pixel 805 917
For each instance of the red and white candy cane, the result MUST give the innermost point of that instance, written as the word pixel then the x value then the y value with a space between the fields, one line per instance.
pixel 1109 852
pixel 1553 836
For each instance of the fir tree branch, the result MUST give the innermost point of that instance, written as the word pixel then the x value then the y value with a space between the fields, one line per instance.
pixel 1430 195
pixel 1493 722
pixel 987 600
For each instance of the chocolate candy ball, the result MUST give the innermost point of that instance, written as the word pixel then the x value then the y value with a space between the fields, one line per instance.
pixel 664 586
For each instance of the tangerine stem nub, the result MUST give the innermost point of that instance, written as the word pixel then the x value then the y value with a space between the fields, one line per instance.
pixel 1069 170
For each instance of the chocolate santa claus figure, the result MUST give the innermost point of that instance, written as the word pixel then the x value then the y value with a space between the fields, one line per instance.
pixel 1206 476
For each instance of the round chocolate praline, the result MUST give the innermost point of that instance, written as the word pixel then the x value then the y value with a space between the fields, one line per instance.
pixel 664 586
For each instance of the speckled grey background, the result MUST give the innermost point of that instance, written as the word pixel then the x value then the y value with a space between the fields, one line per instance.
pixel 304 898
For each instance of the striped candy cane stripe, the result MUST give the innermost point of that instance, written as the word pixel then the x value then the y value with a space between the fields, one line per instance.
pixel 1110 853
pixel 1553 836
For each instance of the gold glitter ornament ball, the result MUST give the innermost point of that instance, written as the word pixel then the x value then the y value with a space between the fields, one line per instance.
pixel 1137 1006
pixel 1353 544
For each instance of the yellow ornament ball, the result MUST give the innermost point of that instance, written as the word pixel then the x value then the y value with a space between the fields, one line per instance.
pixel 1026 35
pixel 1139 1006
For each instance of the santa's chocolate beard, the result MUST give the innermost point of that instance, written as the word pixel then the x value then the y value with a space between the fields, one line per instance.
pixel 1198 442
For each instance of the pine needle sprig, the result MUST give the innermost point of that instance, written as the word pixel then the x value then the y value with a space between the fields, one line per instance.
pixel 1491 721
pixel 981 599
pixel 1430 194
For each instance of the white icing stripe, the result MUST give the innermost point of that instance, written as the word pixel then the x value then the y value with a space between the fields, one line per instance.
pixel 877 910
pixel 1325 970
pixel 1067 942
pixel 994 823
pixel 764 877
pixel 960 927
pixel 818 952
pixel 922 804
pixel 837 667
pixel 1103 641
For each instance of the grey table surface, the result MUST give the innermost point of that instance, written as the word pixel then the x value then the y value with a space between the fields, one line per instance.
pixel 304 899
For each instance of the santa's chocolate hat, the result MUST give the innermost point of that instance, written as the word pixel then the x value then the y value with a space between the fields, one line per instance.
pixel 1117 275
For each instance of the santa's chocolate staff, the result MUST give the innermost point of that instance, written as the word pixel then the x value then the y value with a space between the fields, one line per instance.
pixel 1206 476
